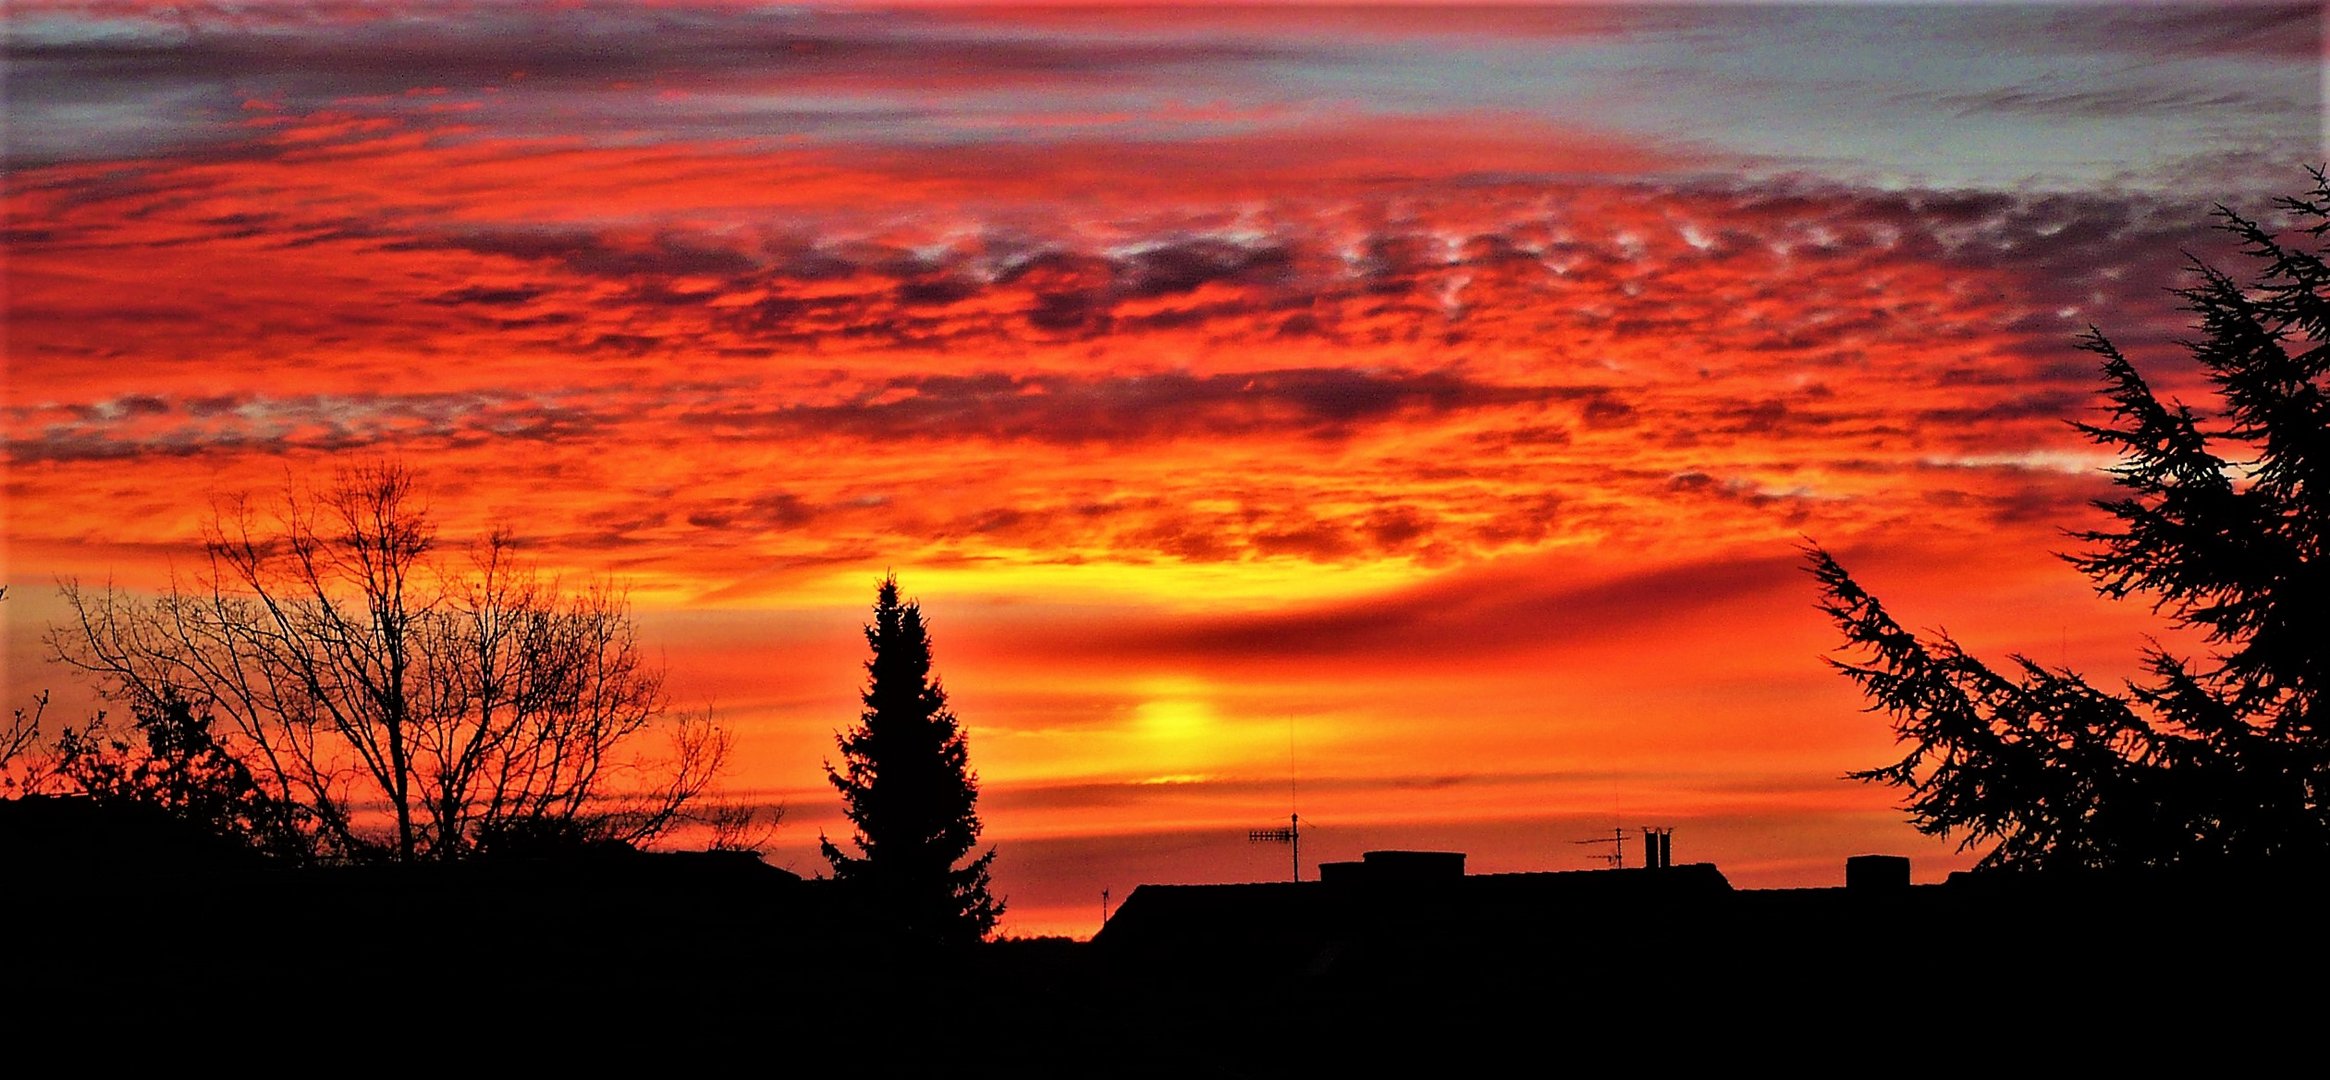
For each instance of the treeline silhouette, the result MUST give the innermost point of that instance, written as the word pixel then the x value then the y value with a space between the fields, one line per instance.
pixel 384 705
pixel 328 685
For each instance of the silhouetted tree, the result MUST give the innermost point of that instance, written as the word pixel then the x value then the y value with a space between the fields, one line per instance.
pixel 908 789
pixel 2221 521
pixel 482 708
pixel 178 768
pixel 22 770
pixel 21 734
pixel 23 727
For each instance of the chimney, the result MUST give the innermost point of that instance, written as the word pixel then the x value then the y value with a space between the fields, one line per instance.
pixel 1877 873
pixel 1658 851
pixel 1412 865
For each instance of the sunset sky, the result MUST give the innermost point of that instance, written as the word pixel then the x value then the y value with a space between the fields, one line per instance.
pixel 1423 404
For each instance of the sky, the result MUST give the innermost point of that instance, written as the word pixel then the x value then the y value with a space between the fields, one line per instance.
pixel 1409 417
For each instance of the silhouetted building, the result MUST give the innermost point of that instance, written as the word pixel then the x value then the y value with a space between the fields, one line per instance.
pixel 1406 941
pixel 1408 903
pixel 1383 866
pixel 1877 872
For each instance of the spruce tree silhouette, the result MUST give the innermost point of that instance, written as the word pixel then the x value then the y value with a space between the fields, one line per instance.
pixel 909 790
pixel 2222 524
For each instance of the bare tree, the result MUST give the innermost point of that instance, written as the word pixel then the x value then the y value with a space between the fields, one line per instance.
pixel 735 825
pixel 22 730
pixel 25 766
pixel 414 707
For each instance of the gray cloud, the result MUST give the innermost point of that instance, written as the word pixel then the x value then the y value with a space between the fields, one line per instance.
pixel 1059 408
pixel 154 81
pixel 142 425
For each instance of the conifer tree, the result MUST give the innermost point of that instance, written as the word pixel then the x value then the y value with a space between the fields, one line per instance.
pixel 2220 523
pixel 909 791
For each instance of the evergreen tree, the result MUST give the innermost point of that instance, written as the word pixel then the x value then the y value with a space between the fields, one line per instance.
pixel 2221 523
pixel 909 790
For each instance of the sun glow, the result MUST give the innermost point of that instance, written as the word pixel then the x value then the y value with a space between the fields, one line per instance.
pixel 1174 723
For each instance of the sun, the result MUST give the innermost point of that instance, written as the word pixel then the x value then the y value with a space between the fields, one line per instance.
pixel 1174 720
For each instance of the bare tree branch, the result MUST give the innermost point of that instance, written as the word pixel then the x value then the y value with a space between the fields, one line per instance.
pixel 413 706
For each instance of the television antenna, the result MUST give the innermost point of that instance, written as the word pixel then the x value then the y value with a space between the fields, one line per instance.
pixel 1616 856
pixel 1292 835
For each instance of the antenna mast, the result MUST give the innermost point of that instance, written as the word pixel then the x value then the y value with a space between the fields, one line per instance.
pixel 1294 820
pixel 1658 846
pixel 1616 856
pixel 1291 834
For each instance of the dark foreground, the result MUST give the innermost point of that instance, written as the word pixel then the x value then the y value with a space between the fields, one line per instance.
pixel 698 962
